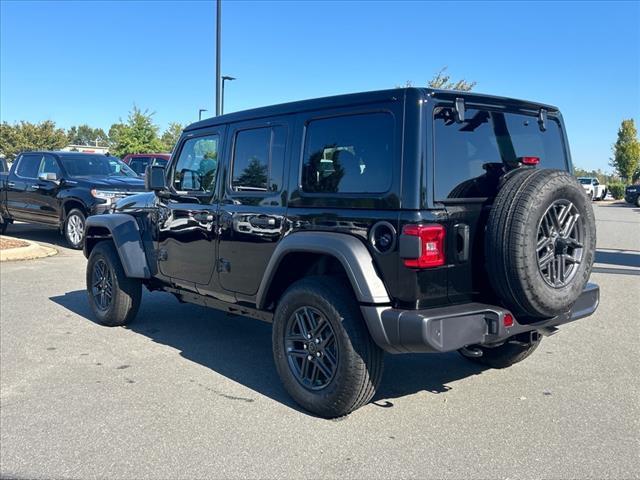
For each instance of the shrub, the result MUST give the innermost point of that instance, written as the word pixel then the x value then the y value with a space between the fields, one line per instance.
pixel 616 189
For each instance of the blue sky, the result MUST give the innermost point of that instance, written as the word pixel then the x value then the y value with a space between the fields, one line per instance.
pixel 88 62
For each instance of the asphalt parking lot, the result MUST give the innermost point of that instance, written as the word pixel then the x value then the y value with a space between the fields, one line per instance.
pixel 187 392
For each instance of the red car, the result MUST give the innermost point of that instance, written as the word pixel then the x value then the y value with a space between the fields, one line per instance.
pixel 139 161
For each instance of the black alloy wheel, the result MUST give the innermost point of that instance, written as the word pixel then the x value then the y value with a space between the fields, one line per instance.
pixel 311 349
pixel 102 285
pixel 560 243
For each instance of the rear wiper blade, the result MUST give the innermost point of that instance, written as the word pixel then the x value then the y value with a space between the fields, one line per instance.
pixel 542 119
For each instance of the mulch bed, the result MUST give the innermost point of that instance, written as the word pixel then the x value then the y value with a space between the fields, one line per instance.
pixel 6 243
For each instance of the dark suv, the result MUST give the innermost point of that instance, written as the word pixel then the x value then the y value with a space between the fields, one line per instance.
pixel 407 220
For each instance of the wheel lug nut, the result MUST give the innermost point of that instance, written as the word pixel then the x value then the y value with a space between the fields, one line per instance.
pixel 305 346
pixel 317 341
pixel 317 354
pixel 309 336
pixel 310 357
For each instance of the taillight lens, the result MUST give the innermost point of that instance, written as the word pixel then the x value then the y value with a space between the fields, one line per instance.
pixel 529 160
pixel 431 245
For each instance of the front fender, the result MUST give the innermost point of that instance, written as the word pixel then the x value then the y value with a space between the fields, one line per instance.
pixel 123 230
pixel 348 250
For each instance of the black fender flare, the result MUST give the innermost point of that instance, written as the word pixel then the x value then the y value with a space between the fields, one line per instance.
pixel 123 230
pixel 351 252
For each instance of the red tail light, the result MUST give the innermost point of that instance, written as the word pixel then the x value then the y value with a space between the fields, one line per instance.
pixel 431 245
pixel 529 160
pixel 508 320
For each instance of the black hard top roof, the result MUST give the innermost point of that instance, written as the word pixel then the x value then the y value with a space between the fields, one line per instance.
pixel 359 99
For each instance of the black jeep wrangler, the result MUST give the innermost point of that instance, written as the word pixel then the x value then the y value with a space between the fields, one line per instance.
pixel 406 220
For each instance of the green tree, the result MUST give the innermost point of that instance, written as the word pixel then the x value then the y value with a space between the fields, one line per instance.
pixel 442 80
pixel 26 136
pixel 138 135
pixel 170 136
pixel 626 151
pixel 85 135
pixel 254 175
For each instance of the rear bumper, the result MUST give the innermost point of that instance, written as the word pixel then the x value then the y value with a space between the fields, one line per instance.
pixel 450 328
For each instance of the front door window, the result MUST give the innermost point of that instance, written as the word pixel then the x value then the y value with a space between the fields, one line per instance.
pixel 196 168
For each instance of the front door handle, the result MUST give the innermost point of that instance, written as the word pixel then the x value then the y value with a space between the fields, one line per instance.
pixel 11 184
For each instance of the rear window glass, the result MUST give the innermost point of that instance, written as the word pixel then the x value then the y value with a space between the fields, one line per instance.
pixel 258 160
pixel 349 154
pixel 469 155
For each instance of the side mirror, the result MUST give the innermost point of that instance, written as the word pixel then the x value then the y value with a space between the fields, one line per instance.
pixel 48 177
pixel 154 178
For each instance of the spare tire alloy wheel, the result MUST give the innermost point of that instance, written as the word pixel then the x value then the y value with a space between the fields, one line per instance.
pixel 311 349
pixel 540 243
pixel 560 248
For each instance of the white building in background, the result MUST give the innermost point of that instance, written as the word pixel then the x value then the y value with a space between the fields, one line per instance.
pixel 86 149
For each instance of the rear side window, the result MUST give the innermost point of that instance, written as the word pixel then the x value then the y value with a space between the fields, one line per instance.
pixel 258 160
pixel 469 155
pixel 349 154
pixel 139 164
pixel 29 166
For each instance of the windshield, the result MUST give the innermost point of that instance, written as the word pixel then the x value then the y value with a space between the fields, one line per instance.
pixel 470 155
pixel 585 181
pixel 96 166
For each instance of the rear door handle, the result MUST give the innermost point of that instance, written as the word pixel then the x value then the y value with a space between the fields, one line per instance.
pixel 11 184
pixel 462 242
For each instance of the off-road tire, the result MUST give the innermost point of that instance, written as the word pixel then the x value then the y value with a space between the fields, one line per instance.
pixel 126 292
pixel 505 355
pixel 360 360
pixel 511 242
pixel 81 217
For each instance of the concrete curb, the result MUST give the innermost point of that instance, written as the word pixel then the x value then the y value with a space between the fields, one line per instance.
pixel 30 252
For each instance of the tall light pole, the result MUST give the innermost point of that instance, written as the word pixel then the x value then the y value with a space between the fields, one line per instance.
pixel 218 36
pixel 200 113
pixel 224 79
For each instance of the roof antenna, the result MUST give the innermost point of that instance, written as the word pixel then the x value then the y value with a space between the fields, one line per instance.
pixel 459 110
pixel 542 119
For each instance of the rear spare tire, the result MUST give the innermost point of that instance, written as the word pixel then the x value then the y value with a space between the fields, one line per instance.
pixel 540 242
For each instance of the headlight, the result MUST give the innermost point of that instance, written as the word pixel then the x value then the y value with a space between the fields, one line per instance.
pixel 106 195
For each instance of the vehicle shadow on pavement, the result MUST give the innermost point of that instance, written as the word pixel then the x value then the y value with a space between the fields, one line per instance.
pixel 620 258
pixel 38 234
pixel 240 349
pixel 626 258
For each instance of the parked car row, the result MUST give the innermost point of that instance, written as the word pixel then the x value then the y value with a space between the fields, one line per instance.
pixel 61 189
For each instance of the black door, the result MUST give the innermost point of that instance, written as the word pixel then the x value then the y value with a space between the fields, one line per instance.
pixel 187 221
pixel 252 210
pixel 45 201
pixel 22 185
